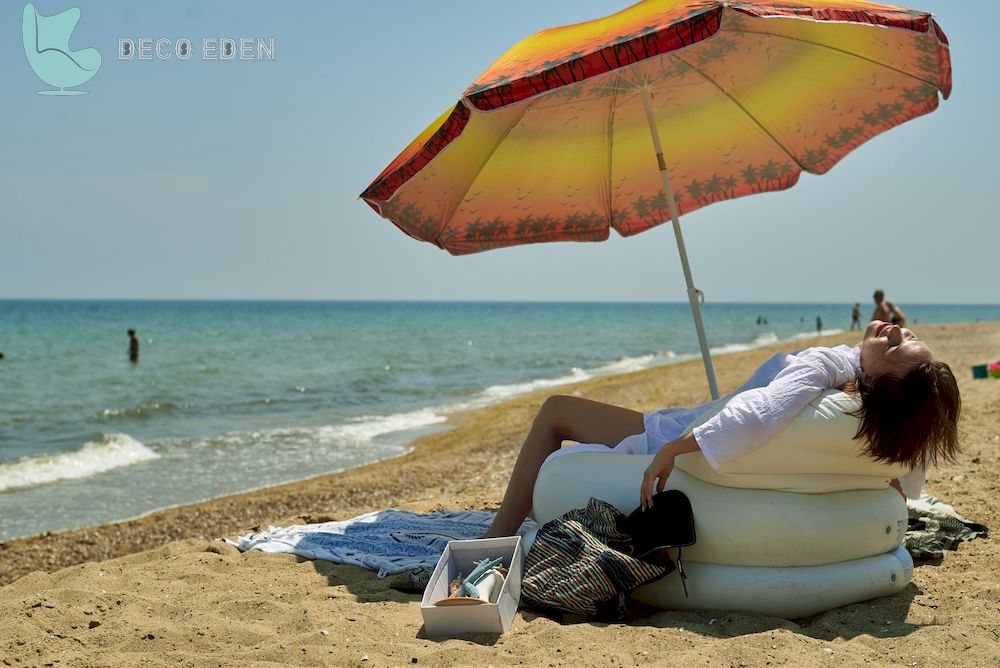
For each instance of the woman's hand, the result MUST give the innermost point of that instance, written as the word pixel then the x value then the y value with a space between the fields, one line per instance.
pixel 655 478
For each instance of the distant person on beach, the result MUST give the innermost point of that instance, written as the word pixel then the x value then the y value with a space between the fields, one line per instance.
pixel 1 354
pixel 819 325
pixel 910 405
pixel 133 347
pixel 856 317
pixel 886 310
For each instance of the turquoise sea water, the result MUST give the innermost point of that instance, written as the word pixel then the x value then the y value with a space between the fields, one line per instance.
pixel 232 396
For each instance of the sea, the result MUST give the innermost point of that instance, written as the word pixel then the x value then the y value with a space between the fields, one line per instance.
pixel 231 396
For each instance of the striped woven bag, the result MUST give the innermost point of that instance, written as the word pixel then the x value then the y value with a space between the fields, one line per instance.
pixel 580 564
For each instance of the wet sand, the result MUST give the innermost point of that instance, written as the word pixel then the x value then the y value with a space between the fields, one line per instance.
pixel 93 597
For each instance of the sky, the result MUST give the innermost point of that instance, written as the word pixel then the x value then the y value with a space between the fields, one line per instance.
pixel 204 179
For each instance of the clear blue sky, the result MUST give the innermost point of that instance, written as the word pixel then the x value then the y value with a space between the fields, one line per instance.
pixel 202 180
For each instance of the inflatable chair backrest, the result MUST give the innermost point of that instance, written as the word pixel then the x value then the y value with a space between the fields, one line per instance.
pixel 815 452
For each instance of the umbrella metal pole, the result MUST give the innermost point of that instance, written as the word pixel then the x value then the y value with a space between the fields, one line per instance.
pixel 693 293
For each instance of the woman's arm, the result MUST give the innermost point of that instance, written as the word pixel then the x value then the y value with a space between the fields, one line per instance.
pixel 655 477
pixel 752 417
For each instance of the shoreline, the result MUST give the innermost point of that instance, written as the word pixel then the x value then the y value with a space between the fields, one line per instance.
pixel 478 402
pixel 176 594
pixel 341 494
pixel 284 503
pixel 454 421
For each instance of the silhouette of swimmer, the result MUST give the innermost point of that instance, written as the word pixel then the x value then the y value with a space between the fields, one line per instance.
pixel 133 347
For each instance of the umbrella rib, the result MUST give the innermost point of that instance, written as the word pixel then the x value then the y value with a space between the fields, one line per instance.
pixel 613 98
pixel 838 50
pixel 486 159
pixel 743 109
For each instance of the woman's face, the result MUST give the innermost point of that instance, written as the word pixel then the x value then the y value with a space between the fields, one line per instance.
pixel 890 350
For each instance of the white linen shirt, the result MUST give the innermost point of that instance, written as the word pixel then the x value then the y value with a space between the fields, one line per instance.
pixel 775 393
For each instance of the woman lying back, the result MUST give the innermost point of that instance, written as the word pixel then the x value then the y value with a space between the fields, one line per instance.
pixel 909 413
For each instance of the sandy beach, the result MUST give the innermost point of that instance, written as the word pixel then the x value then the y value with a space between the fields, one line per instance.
pixel 161 590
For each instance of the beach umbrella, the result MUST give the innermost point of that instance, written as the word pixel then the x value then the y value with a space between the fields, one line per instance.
pixel 667 106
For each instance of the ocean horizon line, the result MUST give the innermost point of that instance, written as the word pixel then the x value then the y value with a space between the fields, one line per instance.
pixel 254 300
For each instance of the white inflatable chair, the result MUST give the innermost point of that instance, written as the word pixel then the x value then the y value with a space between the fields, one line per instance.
pixel 803 524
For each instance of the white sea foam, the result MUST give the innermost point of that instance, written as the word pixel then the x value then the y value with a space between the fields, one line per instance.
pixel 626 365
pixel 499 392
pixel 801 336
pixel 359 431
pixel 730 348
pixel 825 332
pixel 363 429
pixel 112 452
pixel 766 339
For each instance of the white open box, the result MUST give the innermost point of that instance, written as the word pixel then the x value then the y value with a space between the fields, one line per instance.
pixel 460 556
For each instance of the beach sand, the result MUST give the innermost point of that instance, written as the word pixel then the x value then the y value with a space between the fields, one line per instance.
pixel 91 598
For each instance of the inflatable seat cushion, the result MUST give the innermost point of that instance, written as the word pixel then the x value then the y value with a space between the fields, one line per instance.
pixel 818 441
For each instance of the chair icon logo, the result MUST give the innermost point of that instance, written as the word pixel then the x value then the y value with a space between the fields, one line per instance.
pixel 46 44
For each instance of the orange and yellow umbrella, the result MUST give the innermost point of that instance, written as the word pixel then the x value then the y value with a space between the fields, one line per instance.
pixel 665 107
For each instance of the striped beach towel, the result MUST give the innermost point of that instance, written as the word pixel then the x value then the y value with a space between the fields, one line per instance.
pixel 388 541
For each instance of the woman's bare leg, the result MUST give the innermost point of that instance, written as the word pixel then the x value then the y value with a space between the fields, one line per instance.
pixel 560 419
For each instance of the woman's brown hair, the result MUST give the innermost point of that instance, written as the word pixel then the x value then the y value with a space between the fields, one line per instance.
pixel 911 420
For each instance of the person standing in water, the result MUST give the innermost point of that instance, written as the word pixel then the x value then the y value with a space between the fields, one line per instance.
pixel 856 317
pixel 133 347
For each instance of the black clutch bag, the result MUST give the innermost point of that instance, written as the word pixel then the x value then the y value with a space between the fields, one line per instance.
pixel 667 524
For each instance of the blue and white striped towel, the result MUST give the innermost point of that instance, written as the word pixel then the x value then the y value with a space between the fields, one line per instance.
pixel 389 541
